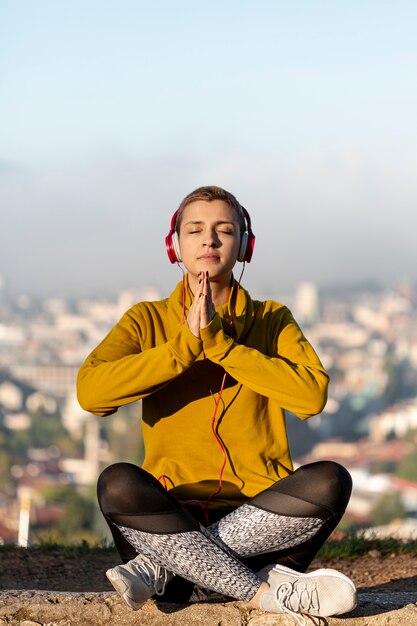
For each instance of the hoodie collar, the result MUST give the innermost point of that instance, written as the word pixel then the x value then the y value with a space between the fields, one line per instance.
pixel 237 312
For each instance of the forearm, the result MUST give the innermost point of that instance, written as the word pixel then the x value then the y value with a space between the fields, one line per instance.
pixel 297 387
pixel 105 384
pixel 294 378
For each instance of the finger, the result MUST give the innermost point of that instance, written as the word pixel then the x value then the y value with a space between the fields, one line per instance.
pixel 210 304
pixel 207 310
pixel 208 286
pixel 194 312
pixel 201 282
pixel 194 316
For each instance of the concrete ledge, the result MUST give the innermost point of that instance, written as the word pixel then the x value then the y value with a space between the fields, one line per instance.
pixel 46 608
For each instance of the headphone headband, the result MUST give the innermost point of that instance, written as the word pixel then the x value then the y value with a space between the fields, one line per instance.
pixel 247 242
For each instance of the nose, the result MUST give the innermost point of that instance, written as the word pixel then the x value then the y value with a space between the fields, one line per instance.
pixel 211 239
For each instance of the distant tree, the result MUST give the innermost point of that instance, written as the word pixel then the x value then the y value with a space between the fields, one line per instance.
pixel 407 468
pixel 383 467
pixel 391 388
pixel 387 508
pixel 79 512
pixel 45 429
pixel 5 462
pixel 411 435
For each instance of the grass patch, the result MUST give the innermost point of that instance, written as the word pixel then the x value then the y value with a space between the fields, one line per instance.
pixel 65 549
pixel 356 544
pixel 350 546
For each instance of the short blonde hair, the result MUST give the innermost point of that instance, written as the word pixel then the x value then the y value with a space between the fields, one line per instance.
pixel 208 194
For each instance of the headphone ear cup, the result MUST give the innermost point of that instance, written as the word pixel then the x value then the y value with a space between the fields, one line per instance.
pixel 243 246
pixel 171 242
pixel 247 243
pixel 176 246
pixel 170 248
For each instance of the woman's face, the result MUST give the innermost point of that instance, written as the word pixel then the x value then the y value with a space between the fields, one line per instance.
pixel 209 239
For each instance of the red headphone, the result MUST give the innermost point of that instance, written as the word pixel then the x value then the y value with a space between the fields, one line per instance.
pixel 247 242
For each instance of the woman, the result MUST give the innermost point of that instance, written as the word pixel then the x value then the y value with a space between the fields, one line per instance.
pixel 216 501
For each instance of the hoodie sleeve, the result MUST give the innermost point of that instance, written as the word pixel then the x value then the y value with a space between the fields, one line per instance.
pixel 294 376
pixel 128 365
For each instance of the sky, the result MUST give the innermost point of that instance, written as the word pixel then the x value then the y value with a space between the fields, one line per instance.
pixel 111 112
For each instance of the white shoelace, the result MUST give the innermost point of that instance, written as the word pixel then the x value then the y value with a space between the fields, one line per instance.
pixel 293 602
pixel 153 575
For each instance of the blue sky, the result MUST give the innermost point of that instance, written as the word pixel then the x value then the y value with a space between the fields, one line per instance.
pixel 110 112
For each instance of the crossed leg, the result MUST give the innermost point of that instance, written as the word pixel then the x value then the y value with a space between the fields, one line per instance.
pixel 286 524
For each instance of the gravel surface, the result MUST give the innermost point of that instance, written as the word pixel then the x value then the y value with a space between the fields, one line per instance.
pixel 50 570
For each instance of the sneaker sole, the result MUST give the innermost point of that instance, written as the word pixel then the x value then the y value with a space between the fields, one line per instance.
pixel 294 576
pixel 120 587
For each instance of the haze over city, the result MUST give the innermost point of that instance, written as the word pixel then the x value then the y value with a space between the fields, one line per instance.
pixel 112 112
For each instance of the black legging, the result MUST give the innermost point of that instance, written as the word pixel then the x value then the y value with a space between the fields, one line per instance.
pixel 131 497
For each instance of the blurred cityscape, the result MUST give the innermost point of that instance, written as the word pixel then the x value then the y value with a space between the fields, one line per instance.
pixel 51 451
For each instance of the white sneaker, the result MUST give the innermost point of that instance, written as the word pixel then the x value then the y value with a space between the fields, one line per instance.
pixel 323 593
pixel 138 580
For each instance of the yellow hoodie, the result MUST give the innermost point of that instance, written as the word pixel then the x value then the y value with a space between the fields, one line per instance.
pixel 152 355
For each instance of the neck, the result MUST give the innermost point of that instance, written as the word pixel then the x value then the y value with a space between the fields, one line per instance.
pixel 220 293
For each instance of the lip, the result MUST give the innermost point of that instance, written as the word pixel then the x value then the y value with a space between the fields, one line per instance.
pixel 208 257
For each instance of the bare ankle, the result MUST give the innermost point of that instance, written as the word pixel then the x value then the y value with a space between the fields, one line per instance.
pixel 256 600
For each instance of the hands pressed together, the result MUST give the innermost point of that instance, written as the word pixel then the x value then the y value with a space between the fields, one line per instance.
pixel 202 310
